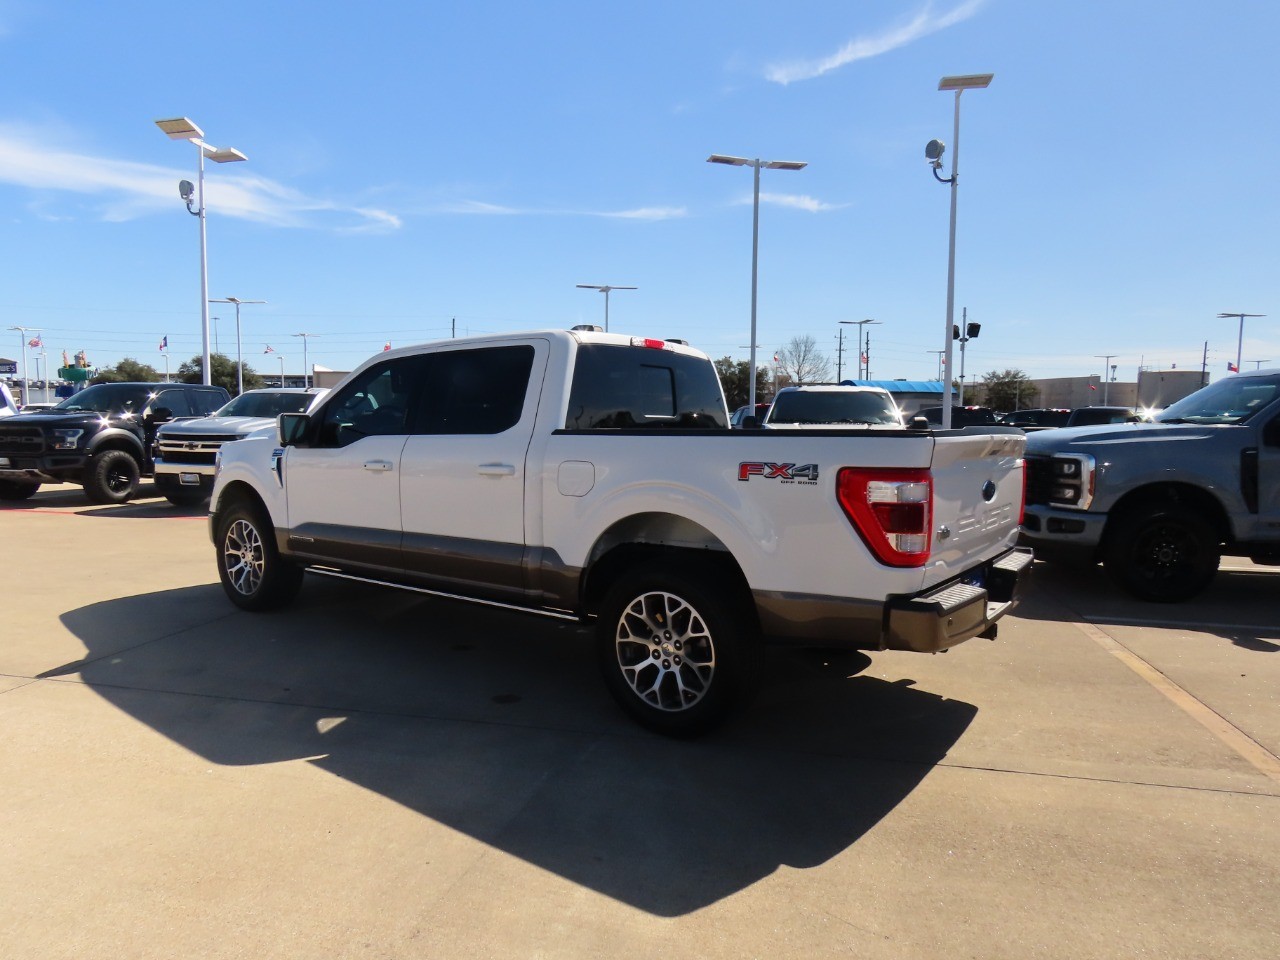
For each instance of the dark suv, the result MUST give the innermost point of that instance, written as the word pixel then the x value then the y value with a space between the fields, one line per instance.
pixel 100 438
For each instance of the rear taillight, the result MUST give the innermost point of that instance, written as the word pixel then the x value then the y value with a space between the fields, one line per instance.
pixel 892 511
pixel 1022 507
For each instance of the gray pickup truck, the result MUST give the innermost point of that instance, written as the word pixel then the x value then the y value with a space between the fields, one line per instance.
pixel 1159 503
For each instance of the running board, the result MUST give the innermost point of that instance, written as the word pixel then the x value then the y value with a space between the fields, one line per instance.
pixel 537 611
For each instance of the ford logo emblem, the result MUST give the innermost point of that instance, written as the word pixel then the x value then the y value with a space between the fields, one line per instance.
pixel 989 491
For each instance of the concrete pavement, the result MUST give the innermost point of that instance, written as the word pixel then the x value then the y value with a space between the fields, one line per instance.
pixel 371 774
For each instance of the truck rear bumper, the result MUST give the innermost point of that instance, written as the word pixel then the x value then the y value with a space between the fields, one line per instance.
pixel 948 615
pixel 925 622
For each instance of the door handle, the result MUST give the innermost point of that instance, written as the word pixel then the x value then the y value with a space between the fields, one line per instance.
pixel 496 470
pixel 377 464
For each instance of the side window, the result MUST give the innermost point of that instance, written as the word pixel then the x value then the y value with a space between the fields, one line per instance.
pixel 479 391
pixel 175 400
pixel 618 387
pixel 207 401
pixel 374 405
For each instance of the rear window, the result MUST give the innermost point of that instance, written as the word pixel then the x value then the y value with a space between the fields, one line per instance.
pixel 834 407
pixel 617 387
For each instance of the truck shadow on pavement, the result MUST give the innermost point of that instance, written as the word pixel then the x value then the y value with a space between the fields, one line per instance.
pixel 146 503
pixel 1239 605
pixel 497 725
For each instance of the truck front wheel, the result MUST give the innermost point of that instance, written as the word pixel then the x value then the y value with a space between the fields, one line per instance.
pixel 111 477
pixel 17 490
pixel 1164 554
pixel 253 574
pixel 677 652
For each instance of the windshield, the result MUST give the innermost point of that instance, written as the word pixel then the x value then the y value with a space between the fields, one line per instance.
pixel 108 398
pixel 267 405
pixel 1233 400
pixel 835 407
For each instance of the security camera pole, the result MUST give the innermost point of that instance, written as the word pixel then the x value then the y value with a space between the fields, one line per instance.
pixel 933 153
pixel 180 128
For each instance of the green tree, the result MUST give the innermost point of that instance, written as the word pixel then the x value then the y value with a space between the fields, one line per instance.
pixel 127 370
pixel 222 373
pixel 735 376
pixel 1008 390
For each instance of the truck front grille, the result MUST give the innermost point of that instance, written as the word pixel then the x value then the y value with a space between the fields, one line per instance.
pixel 21 441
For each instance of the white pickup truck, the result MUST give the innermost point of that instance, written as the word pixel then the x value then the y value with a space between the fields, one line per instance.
pixel 593 476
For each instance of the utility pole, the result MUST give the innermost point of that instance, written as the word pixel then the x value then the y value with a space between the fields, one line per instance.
pixel 1106 382
pixel 840 355
pixel 1204 366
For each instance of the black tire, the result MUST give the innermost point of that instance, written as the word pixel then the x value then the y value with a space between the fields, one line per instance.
pixel 111 477
pixel 186 498
pixel 679 650
pixel 1163 554
pixel 253 574
pixel 17 490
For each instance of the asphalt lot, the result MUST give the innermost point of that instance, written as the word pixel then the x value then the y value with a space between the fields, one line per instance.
pixel 372 774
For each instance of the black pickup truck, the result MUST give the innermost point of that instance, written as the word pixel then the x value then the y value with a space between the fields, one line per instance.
pixel 100 438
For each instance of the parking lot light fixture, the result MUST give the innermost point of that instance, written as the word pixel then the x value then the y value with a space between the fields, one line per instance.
pixel 933 153
pixel 605 289
pixel 306 372
pixel 1240 339
pixel 26 371
pixel 756 164
pixel 239 359
pixel 182 128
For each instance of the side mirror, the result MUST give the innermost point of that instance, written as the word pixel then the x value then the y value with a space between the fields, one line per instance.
pixel 750 423
pixel 291 428
pixel 919 423
pixel 160 415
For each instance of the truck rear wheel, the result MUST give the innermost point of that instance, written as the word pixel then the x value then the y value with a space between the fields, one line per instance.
pixel 1163 554
pixel 254 575
pixel 679 650
pixel 111 477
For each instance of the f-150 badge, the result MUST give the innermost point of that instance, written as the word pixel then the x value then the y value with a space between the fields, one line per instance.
pixel 785 472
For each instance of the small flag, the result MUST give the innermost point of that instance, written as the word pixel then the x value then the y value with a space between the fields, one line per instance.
pixel 1232 368
pixel 943 361
pixel 1093 386
pixel 34 342
pixel 386 346
pixel 865 358
pixel 270 349
pixel 164 343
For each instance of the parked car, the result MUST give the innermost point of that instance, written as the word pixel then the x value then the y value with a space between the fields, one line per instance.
pixel 832 405
pixel 186 450
pixel 737 420
pixel 960 416
pixel 1036 418
pixel 1093 416
pixel 100 438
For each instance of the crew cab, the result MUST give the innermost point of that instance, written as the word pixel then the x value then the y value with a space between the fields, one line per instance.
pixel 100 438
pixel 1160 503
pixel 592 476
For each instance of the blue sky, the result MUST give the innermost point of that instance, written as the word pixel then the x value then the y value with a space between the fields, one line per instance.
pixel 413 165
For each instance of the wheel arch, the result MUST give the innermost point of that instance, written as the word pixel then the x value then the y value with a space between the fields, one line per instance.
pixel 657 536
pixel 1171 495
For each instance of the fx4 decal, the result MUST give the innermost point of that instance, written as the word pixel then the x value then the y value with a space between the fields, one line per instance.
pixel 784 472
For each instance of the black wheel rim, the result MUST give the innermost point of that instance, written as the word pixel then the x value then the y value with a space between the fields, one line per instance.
pixel 1168 554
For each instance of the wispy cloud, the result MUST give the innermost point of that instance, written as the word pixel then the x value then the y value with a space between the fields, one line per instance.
pixel 861 48
pixel 125 190
pixel 480 208
pixel 796 201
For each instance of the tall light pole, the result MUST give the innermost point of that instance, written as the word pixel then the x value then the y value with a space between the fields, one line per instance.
pixel 1257 364
pixel 239 359
pixel 933 153
pixel 1240 339
pixel 26 370
pixel 1106 379
pixel 756 164
pixel 605 289
pixel 180 128
pixel 306 372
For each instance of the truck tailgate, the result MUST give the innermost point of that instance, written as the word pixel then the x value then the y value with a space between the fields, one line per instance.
pixel 977 497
